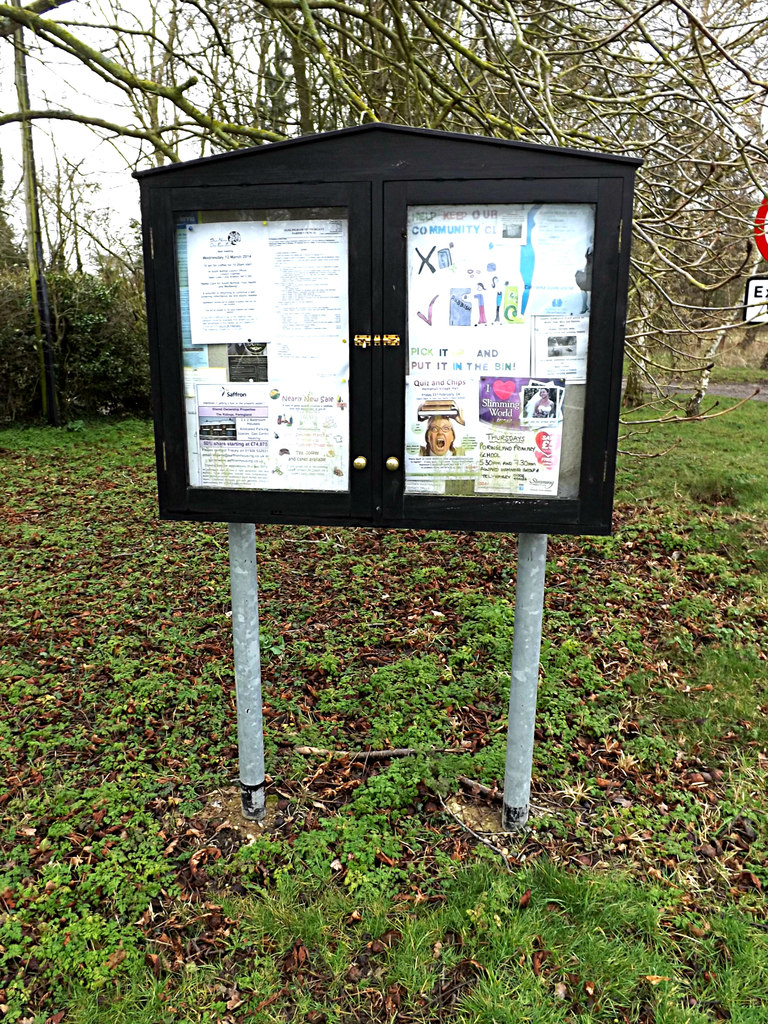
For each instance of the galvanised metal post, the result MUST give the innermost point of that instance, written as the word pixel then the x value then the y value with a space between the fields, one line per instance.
pixel 245 630
pixel 526 649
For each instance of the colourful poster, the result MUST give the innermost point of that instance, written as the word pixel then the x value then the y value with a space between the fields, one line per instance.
pixel 520 447
pixel 478 274
pixel 491 435
pixel 441 442
pixel 498 324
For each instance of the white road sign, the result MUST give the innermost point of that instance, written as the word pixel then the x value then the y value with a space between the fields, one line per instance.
pixel 756 301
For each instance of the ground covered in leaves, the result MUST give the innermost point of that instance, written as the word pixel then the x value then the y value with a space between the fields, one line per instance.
pixel 380 888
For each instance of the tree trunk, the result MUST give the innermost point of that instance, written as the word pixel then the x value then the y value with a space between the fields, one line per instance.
pixel 37 281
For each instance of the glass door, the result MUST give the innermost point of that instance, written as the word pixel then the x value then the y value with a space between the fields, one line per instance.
pixel 265 342
pixel 275 392
pixel 495 309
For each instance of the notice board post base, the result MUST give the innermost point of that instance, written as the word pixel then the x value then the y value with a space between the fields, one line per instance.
pixel 245 632
pixel 526 648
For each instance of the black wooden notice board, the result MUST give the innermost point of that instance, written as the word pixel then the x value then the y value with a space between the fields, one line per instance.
pixel 389 326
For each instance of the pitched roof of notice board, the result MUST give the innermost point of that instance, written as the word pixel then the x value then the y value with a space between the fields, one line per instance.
pixel 394 132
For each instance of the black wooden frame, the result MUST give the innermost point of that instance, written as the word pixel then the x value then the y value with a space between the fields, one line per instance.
pixel 376 171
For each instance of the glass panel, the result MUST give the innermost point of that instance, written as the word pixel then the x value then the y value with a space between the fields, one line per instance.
pixel 498 330
pixel 264 332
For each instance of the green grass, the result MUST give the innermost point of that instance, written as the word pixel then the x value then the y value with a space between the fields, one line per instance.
pixel 716 462
pixel 721 374
pixel 739 375
pixel 130 891
pixel 591 948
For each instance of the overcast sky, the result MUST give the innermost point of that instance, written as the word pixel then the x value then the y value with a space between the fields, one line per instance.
pixel 61 82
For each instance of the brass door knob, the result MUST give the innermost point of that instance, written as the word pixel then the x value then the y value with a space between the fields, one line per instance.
pixel 392 464
pixel 360 462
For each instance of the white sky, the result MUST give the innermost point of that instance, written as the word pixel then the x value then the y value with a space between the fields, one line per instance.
pixel 59 82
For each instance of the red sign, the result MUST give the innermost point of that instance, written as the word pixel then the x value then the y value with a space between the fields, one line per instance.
pixel 760 240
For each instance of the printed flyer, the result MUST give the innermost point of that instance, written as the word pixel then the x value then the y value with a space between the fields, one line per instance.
pixel 560 346
pixel 226 293
pixel 254 436
pixel 521 443
pixel 441 435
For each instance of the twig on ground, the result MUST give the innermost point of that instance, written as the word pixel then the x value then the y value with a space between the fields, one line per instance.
pixel 650 455
pixel 694 419
pixel 378 755
pixel 492 793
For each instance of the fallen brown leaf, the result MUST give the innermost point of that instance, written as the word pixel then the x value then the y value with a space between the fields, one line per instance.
pixel 537 959
pixel 234 1000
pixel 116 958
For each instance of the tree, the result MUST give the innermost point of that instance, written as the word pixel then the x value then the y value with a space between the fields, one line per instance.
pixel 678 84
pixel 11 253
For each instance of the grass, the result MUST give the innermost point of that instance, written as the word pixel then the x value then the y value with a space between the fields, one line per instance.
pixel 131 890
pixel 739 375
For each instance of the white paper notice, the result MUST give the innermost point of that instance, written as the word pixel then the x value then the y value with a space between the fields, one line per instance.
pixel 560 347
pixel 193 378
pixel 224 268
pixel 308 261
pixel 233 431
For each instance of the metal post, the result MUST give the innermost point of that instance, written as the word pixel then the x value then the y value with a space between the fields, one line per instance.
pixel 526 649
pixel 245 630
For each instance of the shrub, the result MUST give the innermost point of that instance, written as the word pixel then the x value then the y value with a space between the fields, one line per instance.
pixel 99 346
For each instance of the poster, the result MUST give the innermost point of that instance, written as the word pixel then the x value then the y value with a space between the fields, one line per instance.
pixel 226 291
pixel 440 435
pixel 479 274
pixel 255 436
pixel 233 435
pixel 499 302
pixel 264 324
pixel 309 442
pixel 486 435
pixel 308 279
pixel 522 440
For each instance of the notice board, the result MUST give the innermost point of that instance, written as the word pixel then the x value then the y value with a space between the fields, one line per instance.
pixel 389 326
